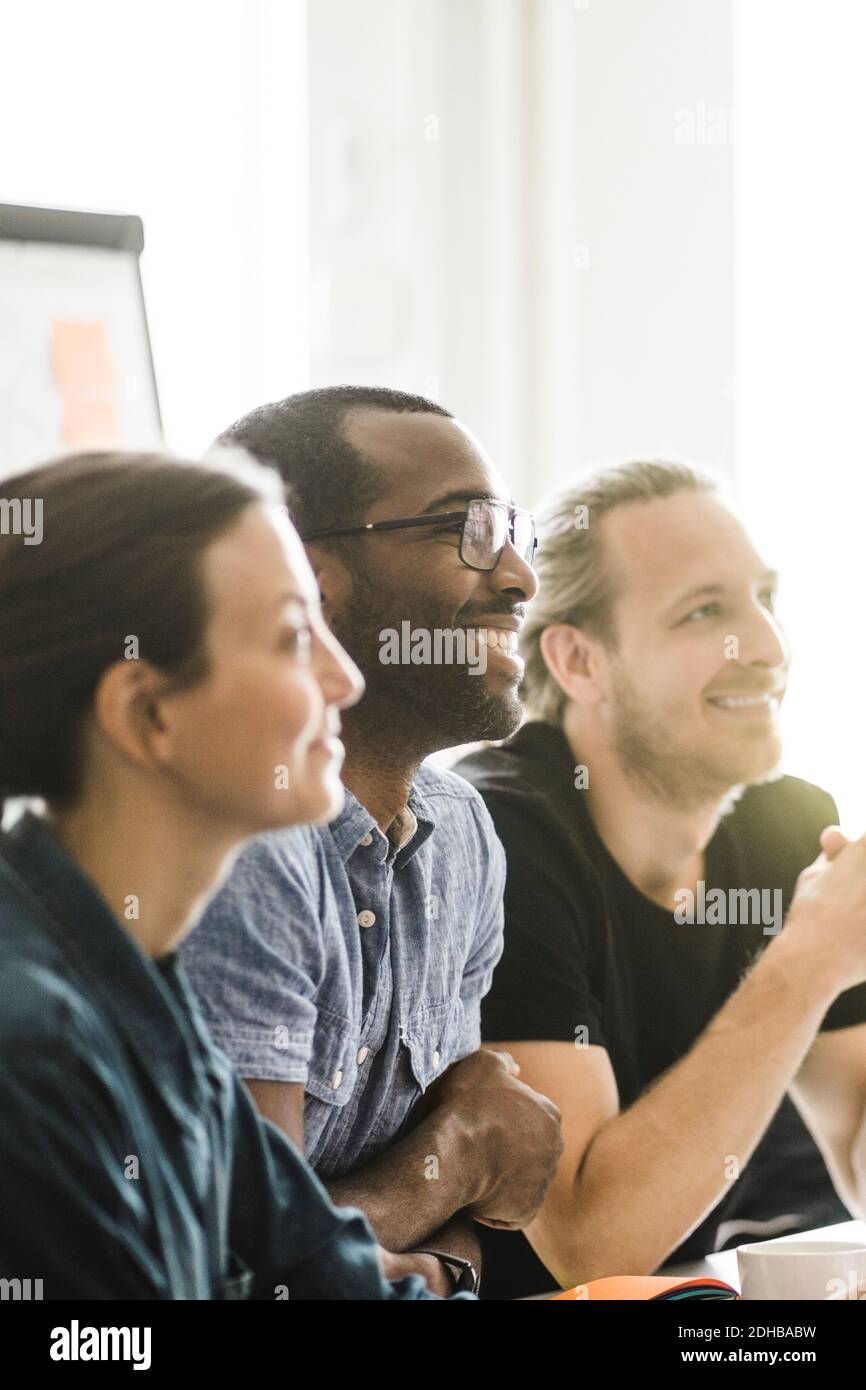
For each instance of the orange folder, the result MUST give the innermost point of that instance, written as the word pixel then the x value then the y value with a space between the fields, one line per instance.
pixel 646 1287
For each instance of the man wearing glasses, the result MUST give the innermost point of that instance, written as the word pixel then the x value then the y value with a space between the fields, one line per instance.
pixel 342 967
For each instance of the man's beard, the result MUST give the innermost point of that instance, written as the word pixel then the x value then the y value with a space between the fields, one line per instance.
pixel 685 777
pixel 424 708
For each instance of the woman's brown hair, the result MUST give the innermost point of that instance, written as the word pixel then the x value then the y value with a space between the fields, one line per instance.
pixel 117 555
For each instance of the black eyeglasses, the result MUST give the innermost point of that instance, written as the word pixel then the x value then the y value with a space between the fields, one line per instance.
pixel 484 528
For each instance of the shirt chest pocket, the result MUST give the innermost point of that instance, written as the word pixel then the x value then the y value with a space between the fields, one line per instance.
pixel 333 1069
pixel 432 1036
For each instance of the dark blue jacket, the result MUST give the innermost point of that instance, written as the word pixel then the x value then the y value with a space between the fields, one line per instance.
pixel 133 1164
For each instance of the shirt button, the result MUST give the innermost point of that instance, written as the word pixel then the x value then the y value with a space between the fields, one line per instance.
pixel 363 1055
pixel 338 1077
pixel 436 1059
pixel 366 918
pixel 367 840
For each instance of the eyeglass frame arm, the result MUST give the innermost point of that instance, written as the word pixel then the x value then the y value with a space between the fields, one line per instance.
pixel 395 525
pixel 436 519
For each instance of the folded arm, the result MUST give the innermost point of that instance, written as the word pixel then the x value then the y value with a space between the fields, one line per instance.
pixel 486 1146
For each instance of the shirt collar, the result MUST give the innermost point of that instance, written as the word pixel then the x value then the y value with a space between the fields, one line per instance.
pixel 149 1001
pixel 410 828
pixel 403 827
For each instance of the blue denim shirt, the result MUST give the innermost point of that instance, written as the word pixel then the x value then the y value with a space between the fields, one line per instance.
pixel 133 1164
pixel 334 959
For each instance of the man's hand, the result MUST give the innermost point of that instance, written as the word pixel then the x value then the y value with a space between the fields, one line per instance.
pixel 496 1144
pixel 511 1131
pixel 828 911
pixel 832 840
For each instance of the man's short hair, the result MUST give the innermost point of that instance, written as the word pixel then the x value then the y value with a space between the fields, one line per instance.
pixel 328 482
pixel 577 582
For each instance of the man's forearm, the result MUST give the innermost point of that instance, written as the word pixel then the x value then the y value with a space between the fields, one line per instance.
pixel 414 1187
pixel 651 1174
pixel 858 1167
pixel 459 1236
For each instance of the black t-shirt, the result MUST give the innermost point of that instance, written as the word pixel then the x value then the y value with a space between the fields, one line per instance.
pixel 584 948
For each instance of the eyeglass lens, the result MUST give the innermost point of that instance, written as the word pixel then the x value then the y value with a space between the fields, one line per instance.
pixel 486 530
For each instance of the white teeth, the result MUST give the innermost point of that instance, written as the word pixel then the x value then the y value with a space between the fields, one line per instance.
pixel 741 701
pixel 500 639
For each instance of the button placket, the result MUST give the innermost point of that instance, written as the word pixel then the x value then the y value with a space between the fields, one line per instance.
pixel 371 885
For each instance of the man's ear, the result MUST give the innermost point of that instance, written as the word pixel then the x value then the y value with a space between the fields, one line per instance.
pixel 571 656
pixel 332 577
pixel 128 711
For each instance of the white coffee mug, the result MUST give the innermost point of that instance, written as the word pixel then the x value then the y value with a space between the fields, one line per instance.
pixel 812 1269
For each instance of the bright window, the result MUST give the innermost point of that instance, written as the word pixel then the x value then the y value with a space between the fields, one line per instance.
pixel 801 360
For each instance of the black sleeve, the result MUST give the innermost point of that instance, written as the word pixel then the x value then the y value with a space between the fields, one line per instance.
pixel 542 987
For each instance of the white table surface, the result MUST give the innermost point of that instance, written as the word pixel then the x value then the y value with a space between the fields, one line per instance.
pixel 724 1264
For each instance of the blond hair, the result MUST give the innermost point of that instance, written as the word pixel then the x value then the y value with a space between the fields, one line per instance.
pixel 577 582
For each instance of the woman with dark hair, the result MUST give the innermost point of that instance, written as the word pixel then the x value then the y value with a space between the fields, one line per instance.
pixel 168 689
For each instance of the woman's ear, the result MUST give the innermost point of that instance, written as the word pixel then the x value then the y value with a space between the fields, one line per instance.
pixel 571 657
pixel 128 711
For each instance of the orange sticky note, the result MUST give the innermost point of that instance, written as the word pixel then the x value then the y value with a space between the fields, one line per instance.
pixel 85 375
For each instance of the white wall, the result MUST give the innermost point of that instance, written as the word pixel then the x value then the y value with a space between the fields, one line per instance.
pixel 192 115
pixel 506 213
pixel 656 318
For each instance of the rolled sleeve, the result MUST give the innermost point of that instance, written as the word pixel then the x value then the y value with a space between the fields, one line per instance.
pixel 255 962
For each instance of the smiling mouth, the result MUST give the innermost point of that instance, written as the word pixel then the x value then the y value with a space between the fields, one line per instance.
pixel 766 698
pixel 499 639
